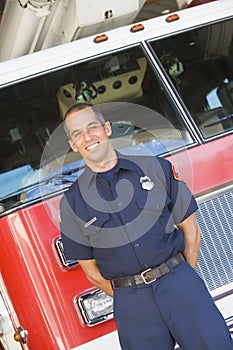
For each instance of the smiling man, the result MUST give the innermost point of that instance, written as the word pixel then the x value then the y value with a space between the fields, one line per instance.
pixel 90 137
pixel 130 222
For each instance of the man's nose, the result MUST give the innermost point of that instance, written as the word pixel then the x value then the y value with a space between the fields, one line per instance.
pixel 87 135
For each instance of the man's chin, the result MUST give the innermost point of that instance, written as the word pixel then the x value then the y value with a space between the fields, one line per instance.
pixel 93 157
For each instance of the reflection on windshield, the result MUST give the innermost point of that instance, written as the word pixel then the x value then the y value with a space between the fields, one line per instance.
pixel 12 181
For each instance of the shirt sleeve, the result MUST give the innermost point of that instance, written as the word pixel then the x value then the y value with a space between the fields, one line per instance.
pixel 76 245
pixel 183 203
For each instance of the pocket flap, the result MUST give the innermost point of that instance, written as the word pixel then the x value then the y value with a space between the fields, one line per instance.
pixel 154 201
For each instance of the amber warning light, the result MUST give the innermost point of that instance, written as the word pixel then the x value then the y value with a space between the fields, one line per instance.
pixel 137 28
pixel 172 18
pixel 100 38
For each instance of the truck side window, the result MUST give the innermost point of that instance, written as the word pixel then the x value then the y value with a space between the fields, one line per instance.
pixel 199 63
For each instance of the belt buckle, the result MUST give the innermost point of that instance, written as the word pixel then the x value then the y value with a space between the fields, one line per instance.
pixel 144 279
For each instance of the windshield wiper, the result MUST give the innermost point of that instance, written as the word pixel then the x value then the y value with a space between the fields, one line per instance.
pixel 62 175
pixel 226 117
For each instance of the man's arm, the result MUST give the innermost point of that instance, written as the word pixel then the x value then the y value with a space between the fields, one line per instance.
pixel 191 232
pixel 92 272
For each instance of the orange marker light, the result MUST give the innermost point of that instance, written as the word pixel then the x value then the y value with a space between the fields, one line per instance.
pixel 172 18
pixel 137 28
pixel 100 38
pixel 20 335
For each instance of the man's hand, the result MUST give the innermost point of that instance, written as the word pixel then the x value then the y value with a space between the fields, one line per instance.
pixel 191 232
pixel 92 272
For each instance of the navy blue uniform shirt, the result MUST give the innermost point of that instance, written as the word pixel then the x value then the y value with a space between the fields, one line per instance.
pixel 126 219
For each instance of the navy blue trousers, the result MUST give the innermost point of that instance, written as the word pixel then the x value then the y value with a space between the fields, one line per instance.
pixel 175 308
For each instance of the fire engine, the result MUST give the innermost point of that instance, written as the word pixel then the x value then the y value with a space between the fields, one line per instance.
pixel 166 86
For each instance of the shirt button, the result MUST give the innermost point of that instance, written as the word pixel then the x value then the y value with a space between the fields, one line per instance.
pixel 136 245
pixel 127 223
pixel 120 204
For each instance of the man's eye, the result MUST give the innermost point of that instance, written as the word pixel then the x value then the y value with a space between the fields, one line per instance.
pixel 77 134
pixel 92 127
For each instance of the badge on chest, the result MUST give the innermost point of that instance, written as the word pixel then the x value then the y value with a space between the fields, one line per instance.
pixel 146 183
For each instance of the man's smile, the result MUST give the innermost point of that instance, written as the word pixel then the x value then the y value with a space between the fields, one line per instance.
pixel 90 147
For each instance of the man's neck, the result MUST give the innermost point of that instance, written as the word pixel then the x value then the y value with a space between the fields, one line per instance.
pixel 108 165
pixel 104 165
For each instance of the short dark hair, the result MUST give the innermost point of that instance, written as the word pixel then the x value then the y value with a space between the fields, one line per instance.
pixel 79 107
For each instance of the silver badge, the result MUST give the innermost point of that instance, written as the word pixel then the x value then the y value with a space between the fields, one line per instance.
pixel 147 183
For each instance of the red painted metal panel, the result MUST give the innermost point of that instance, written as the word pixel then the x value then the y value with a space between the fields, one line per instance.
pixel 207 166
pixel 41 292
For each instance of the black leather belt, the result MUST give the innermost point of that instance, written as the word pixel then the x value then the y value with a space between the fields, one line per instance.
pixel 150 275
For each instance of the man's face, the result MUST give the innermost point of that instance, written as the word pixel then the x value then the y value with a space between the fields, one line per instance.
pixel 89 137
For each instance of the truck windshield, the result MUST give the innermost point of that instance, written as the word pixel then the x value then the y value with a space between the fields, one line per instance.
pixel 35 149
pixel 199 62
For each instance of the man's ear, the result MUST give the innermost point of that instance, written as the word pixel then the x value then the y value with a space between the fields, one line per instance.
pixel 73 146
pixel 108 129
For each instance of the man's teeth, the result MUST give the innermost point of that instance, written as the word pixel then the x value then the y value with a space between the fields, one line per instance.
pixel 92 146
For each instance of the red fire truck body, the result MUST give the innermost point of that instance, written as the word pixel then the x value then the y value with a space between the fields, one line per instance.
pixel 179 67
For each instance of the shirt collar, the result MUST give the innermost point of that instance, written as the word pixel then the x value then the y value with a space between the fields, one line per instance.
pixel 123 163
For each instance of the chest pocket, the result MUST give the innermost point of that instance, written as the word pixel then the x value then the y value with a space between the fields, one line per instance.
pixel 156 200
pixel 154 210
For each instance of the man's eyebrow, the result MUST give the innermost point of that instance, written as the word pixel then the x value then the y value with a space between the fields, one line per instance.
pixel 74 131
pixel 96 122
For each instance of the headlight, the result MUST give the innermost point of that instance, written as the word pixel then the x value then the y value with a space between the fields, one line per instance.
pixel 96 307
pixel 60 255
